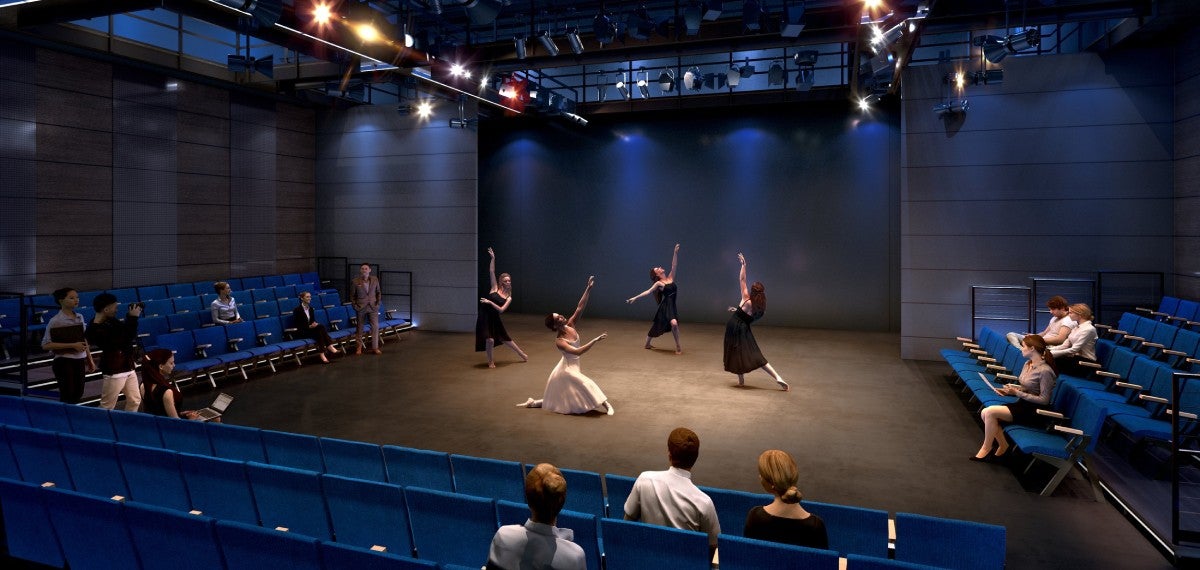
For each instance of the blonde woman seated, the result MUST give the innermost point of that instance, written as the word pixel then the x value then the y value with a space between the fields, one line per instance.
pixel 784 520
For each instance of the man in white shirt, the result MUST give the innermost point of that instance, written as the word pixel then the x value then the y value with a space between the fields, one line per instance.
pixel 669 498
pixel 538 544
pixel 1079 346
pixel 1057 329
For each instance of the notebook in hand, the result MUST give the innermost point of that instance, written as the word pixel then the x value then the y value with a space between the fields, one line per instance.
pixel 67 334
pixel 989 383
pixel 217 408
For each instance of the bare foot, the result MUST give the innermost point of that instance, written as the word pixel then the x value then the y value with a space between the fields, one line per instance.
pixel 491 365
pixel 648 347
pixel 783 386
pixel 678 351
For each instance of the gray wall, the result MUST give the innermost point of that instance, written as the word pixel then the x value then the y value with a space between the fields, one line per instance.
pixel 808 193
pixel 116 179
pixel 400 191
pixel 1187 167
pixel 1063 170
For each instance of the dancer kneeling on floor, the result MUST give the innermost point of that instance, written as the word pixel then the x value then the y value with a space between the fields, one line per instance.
pixel 1035 388
pixel 568 391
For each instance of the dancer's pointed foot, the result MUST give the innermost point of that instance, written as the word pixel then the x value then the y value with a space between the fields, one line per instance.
pixel 741 380
pixel 524 357
pixel 609 407
pixel 678 350
pixel 783 385
pixel 648 347
pixel 526 404
pixel 491 365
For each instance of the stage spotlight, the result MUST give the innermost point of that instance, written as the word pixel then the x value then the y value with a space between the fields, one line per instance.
pixel 793 21
pixel 622 88
pixel 806 63
pixel 666 81
pixel 548 42
pixel 602 87
pixel 945 109
pixel 752 14
pixel 604 29
pixel 995 48
pixel 691 18
pixel 482 12
pixel 367 33
pixel 988 77
pixel 714 80
pixel 692 79
pixel 424 108
pixel 519 44
pixel 639 24
pixel 643 82
pixel 322 13
pixel 775 74
pixel 746 70
pixel 883 40
pixel 733 77
pixel 573 39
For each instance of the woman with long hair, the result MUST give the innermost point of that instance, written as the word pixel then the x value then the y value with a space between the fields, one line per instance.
pixel 784 520
pixel 664 290
pixel 1034 391
pixel 489 329
pixel 741 350
pixel 162 397
pixel 568 390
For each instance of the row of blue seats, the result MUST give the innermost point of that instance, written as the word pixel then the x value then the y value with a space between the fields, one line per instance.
pixel 1180 312
pixel 1128 393
pixel 852 530
pixel 1161 340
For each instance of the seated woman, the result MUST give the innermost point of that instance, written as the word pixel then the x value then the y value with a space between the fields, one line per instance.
pixel 161 397
pixel 308 327
pixel 224 307
pixel 784 520
pixel 1035 389
pixel 1080 345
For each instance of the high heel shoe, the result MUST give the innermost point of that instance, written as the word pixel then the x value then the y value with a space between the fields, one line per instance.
pixel 985 459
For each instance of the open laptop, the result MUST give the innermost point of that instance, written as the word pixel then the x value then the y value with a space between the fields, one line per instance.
pixel 217 408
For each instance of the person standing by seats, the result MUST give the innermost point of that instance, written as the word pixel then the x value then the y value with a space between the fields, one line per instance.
pixel 224 307
pixel 489 329
pixel 669 498
pixel 306 323
pixel 116 338
pixel 664 289
pixel 72 355
pixel 784 520
pixel 163 398
pixel 1057 329
pixel 742 355
pixel 538 544
pixel 365 295
pixel 1034 390
pixel 1080 345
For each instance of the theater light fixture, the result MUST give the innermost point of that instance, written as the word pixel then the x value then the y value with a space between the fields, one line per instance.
pixel 947 109
pixel 424 108
pixel 692 79
pixel 604 28
pixel 639 24
pixel 775 74
pixel 547 42
pixel 691 18
pixel 995 48
pixel 573 39
pixel 519 44
pixel 806 63
pixel 666 80
pixel 482 12
pixel 733 77
pixel 988 77
pixel 746 70
pixel 601 87
pixel 622 88
pixel 793 21
pixel 884 39
pixel 643 82
pixel 752 14
pixel 714 80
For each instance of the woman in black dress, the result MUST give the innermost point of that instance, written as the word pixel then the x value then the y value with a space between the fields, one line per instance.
pixel 741 350
pixel 488 328
pixel 664 289
pixel 784 520
pixel 161 397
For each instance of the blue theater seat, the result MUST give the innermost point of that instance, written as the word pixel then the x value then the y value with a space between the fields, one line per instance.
pixel 366 513
pixel 616 490
pixel 298 451
pixel 236 442
pixel 450 528
pixel 219 488
pixel 12 411
pixel 28 530
pixel 492 478
pixel 136 428
pixel 249 547
pixel 630 545
pixel 418 468
pixel 152 293
pixel 92 530
pixel 186 436
pixel 585 526
pixel 337 555
pixel 353 459
pixel 732 507
pixel 949 543
pixel 39 456
pixel 289 498
pixel 739 553
pixel 853 530
pixel 47 414
pixel 160 535
pixel 179 290
pixel 153 476
pixel 94 465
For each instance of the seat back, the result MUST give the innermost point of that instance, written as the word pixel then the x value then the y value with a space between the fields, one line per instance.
pixel 158 308
pixel 272 280
pixel 182 435
pixel 585 493
pixel 337 555
pixel 39 456
pixel 732 507
pixel 1188 310
pixel 367 513
pixel 289 498
pixel 236 442
pixel 183 321
pixel 632 545
pixel 27 526
pixel 136 428
pixel 263 295
pixel 949 543
pixel 252 283
pixel 219 488
pixel 485 477
pixel 418 468
pixel 739 553
pixel 853 530
pixel 92 530
pixel 12 411
pixel 292 279
pixel 150 328
pixel 243 330
pixel 180 290
pixel 189 304
pixel 8 463
pixel 298 451
pixel 152 293
pixel 89 421
pixel 353 459
pixel 214 336
pixel 329 300
pixel 247 547
pixel 94 466
pixel 47 414
pixel 153 476
pixel 616 490
pixel 449 527
pixel 153 527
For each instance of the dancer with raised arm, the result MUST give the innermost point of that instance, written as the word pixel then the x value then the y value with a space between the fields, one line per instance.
pixel 741 350
pixel 568 391
pixel 664 289
pixel 489 329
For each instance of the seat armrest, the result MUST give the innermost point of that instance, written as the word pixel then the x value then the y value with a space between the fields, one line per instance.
pixel 1154 399
pixel 39 317
pixel 1103 327
pixel 1137 338
pixel 1088 364
pixel 1050 414
pixel 1143 310
pixel 289 333
pixel 978 352
pixel 1130 386
pixel 1174 318
pixel 995 367
pixel 1108 374
pixel 1159 314
pixel 964 339
pixel 1153 344
pixel 177 329
pixel 333 324
pixel 328 306
pixel 1174 352
pixel 387 313
pixel 143 335
pixel 1184 415
pixel 1193 361
pixel 970 345
pixel 262 338
pixel 1117 331
pixel 987 360
pixel 202 350
pixel 1069 430
pixel 264 316
pixel 1007 377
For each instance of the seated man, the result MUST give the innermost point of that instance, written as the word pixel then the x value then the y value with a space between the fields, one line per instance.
pixel 538 543
pixel 669 498
pixel 1057 329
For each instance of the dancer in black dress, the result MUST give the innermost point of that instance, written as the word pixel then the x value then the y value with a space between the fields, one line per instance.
pixel 664 289
pixel 741 350
pixel 488 328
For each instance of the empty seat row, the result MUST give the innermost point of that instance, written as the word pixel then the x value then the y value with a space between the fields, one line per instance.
pixel 1181 312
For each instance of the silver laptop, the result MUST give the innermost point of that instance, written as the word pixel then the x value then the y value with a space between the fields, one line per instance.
pixel 217 408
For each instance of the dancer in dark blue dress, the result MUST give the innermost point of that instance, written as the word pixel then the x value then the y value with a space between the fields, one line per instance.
pixel 664 289
pixel 741 350
pixel 489 329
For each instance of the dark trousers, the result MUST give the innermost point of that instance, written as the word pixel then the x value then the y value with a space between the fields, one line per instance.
pixel 69 373
pixel 319 334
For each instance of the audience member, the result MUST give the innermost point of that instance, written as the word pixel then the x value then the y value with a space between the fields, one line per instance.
pixel 784 520
pixel 669 498
pixel 1034 390
pixel 307 326
pixel 224 307
pixel 116 339
pixel 1080 345
pixel 538 544
pixel 1057 329
pixel 162 397
pixel 72 357
pixel 365 295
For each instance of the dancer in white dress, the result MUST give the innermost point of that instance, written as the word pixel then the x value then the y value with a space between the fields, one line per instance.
pixel 568 391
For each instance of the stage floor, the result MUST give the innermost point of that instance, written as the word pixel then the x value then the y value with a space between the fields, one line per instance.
pixel 867 428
